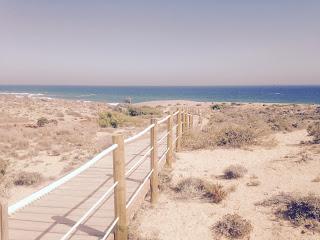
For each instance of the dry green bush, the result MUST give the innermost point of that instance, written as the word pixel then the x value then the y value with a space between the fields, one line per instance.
pixel 231 136
pixel 143 110
pixel 27 178
pixel 3 167
pixel 234 171
pixel 165 177
pixel 42 121
pixel 233 226
pixel 299 210
pixel 234 136
pixel 111 119
pixel 314 130
pixel 196 188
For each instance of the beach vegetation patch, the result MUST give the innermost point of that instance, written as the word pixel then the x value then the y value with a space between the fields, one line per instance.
pixel 3 167
pixel 314 131
pixel 234 171
pixel 41 122
pixel 216 107
pixel 195 188
pixel 299 210
pixel 233 226
pixel 143 111
pixel 111 119
pixel 27 178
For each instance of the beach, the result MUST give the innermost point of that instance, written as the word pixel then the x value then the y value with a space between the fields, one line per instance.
pixel 49 137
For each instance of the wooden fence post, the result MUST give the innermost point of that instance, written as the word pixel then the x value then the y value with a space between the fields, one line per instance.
pixel 191 122
pixel 154 180
pixel 4 231
pixel 169 143
pixel 179 132
pixel 121 230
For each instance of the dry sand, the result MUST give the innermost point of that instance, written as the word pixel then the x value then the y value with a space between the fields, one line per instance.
pixel 288 167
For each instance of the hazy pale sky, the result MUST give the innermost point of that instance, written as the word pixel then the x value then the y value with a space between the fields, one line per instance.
pixel 172 42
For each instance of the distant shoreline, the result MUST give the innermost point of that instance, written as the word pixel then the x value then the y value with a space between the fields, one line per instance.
pixel 248 94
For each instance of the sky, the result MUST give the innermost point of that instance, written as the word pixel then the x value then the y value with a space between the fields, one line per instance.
pixel 217 42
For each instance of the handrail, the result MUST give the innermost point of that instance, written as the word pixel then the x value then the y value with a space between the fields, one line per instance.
pixel 163 155
pixel 175 113
pixel 131 139
pixel 138 162
pixel 164 119
pixel 37 195
pixel 139 188
pixel 89 212
pixel 161 139
pixel 110 229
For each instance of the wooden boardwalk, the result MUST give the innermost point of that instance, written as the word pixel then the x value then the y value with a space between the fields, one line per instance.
pixel 52 216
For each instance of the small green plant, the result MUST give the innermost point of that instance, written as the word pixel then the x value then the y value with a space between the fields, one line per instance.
pixel 42 121
pixel 233 226
pixel 216 107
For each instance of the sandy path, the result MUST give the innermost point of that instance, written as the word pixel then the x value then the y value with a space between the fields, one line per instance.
pixel 279 169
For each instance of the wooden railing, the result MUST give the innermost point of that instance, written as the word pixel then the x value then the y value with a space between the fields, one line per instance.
pixel 179 123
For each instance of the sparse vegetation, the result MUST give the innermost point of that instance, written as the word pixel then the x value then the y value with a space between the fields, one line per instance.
pixel 234 171
pixel 216 107
pixel 165 177
pixel 234 136
pixel 233 226
pixel 111 119
pixel 299 210
pixel 144 110
pixel 196 188
pixel 3 167
pixel 27 178
pixel 314 131
pixel 42 121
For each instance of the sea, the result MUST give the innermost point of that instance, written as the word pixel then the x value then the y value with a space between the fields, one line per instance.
pixel 117 94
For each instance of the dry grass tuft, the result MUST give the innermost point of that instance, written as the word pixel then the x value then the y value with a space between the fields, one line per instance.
pixel 233 226
pixel 165 177
pixel 197 188
pixel 42 121
pixel 3 167
pixel 234 136
pixel 144 110
pixel 300 211
pixel 314 130
pixel 234 171
pixel 28 178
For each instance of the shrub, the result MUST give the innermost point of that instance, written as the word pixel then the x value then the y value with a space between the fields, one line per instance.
pixel 299 210
pixel 27 178
pixel 216 107
pixel 144 110
pixel 110 119
pixel 3 167
pixel 42 121
pixel 233 226
pixel 165 177
pixel 234 136
pixel 314 130
pixel 234 171
pixel 197 188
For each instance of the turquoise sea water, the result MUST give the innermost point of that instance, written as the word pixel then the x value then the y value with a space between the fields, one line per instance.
pixel 267 94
